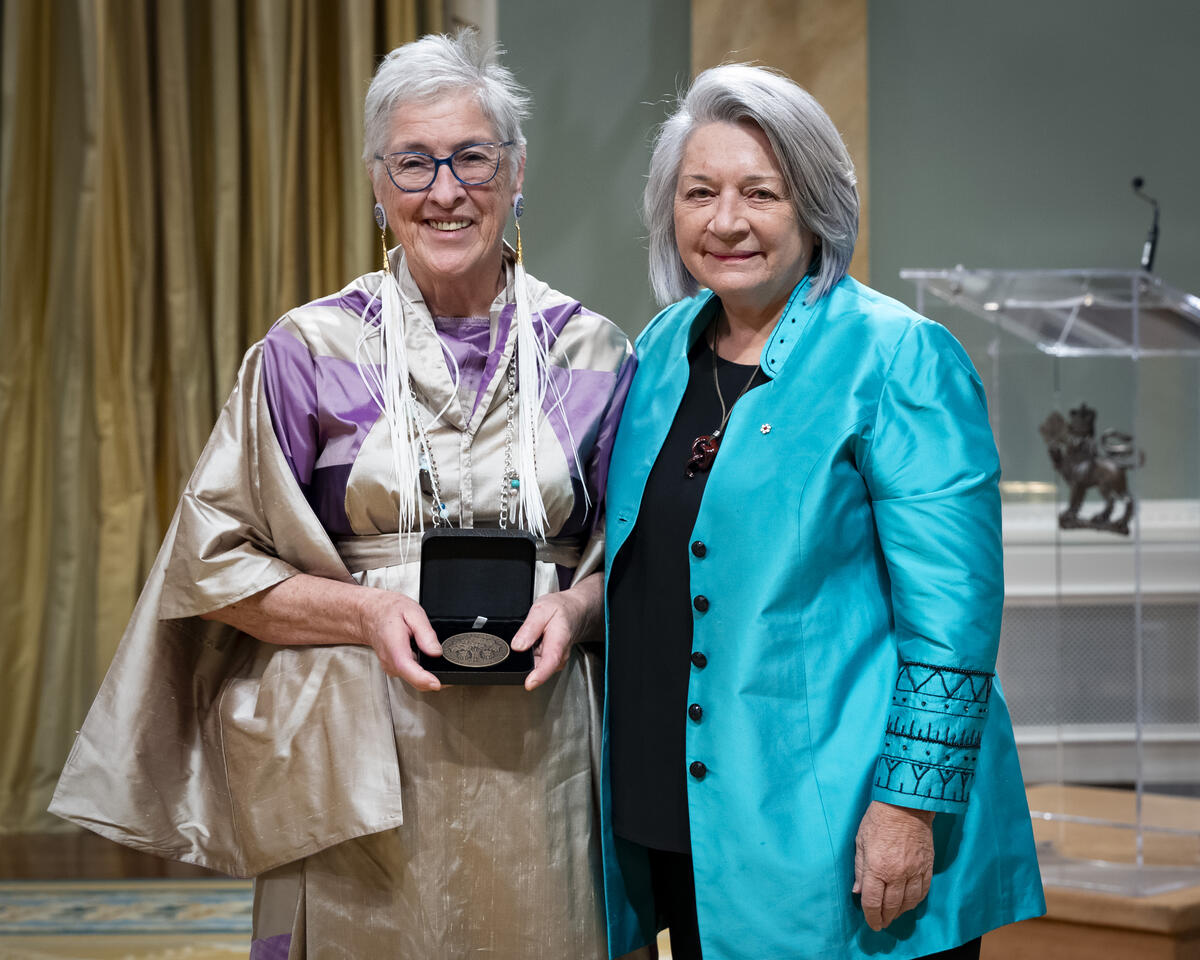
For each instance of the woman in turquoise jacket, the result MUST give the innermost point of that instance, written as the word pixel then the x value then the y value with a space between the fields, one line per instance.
pixel 805 578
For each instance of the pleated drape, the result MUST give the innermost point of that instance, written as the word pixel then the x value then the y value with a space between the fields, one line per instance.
pixel 173 176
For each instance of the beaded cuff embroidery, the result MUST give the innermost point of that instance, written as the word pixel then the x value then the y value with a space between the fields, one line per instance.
pixel 934 728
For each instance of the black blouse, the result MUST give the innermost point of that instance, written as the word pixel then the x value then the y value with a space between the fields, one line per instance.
pixel 650 622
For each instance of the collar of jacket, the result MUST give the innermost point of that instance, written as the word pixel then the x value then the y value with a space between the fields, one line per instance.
pixel 789 329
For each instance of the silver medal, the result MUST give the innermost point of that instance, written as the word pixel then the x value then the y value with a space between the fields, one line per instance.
pixel 475 649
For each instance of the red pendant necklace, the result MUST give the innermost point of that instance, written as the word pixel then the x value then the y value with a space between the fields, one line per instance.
pixel 705 446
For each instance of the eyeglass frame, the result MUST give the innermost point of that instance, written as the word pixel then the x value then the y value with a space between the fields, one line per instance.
pixel 439 161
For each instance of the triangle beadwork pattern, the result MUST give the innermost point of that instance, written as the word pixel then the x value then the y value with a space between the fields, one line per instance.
pixel 973 686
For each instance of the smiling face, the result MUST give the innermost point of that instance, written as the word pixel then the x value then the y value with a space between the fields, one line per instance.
pixel 735 225
pixel 451 233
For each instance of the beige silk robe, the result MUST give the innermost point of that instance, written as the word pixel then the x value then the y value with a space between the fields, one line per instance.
pixel 383 822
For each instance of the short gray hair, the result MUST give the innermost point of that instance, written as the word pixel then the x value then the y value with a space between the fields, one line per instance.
pixel 436 64
pixel 810 152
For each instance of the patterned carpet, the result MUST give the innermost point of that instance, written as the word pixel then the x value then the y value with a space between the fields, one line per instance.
pixel 129 920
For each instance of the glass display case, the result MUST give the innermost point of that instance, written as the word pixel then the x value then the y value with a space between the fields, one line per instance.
pixel 1093 382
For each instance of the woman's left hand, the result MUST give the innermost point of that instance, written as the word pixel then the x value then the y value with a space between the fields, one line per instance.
pixel 555 622
pixel 893 861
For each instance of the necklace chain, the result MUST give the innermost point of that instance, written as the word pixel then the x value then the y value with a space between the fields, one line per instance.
pixel 726 414
pixel 509 480
pixel 705 446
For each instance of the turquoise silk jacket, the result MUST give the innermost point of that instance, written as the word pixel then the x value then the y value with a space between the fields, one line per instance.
pixel 854 577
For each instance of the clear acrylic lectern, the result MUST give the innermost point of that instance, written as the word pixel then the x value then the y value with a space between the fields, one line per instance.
pixel 1093 380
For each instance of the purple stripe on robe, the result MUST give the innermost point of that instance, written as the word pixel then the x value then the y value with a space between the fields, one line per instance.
pixel 321 411
pixel 271 948
pixel 556 317
pixel 355 301
pixel 602 452
pixel 347 410
pixel 593 402
pixel 346 414
pixel 469 340
pixel 289 381
pixel 493 360
pixel 585 396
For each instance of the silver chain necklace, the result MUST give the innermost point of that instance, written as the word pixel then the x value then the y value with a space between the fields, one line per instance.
pixel 510 481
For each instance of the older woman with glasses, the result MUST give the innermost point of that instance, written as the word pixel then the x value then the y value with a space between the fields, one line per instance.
pixel 282 705
pixel 810 755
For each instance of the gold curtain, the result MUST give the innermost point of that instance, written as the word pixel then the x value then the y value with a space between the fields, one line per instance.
pixel 173 176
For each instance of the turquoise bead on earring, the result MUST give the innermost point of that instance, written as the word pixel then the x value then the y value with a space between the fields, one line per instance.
pixel 515 483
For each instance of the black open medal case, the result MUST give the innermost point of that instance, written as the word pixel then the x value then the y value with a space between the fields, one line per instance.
pixel 477 588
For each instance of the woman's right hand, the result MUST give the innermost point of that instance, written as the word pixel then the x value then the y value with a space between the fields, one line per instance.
pixel 893 861
pixel 390 623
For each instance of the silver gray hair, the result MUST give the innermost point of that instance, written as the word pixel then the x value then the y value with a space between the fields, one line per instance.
pixel 437 64
pixel 810 152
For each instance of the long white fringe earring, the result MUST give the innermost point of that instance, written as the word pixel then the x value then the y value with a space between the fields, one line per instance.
pixel 533 361
pixel 533 383
pixel 390 387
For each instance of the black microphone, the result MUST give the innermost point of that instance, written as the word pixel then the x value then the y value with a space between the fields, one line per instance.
pixel 1151 244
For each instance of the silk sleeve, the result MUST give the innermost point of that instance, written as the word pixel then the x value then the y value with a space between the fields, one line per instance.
pixel 932 472
pixel 592 559
pixel 243 510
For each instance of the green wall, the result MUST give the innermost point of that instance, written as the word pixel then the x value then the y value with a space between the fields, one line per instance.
pixel 600 75
pixel 1005 136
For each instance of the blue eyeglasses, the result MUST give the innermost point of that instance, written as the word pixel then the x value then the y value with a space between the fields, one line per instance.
pixel 472 165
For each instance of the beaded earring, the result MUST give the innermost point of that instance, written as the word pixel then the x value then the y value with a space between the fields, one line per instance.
pixel 381 220
pixel 518 209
